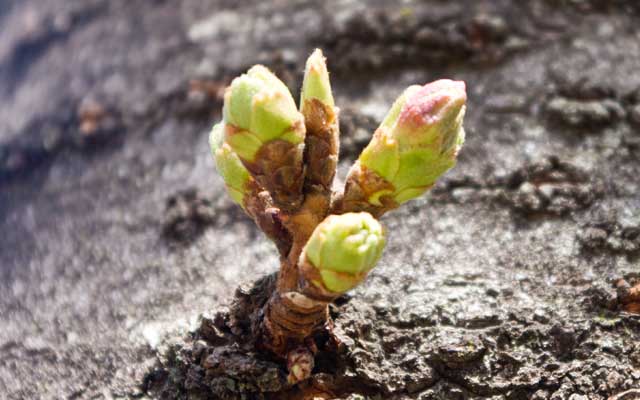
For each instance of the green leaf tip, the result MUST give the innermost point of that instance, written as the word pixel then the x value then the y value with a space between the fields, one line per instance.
pixel 236 177
pixel 316 84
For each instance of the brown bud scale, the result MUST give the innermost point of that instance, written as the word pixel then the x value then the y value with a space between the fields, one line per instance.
pixel 362 183
pixel 279 169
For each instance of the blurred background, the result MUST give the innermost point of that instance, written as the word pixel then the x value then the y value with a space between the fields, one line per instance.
pixel 114 226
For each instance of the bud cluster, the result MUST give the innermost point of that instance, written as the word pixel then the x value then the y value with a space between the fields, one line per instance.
pixel 278 161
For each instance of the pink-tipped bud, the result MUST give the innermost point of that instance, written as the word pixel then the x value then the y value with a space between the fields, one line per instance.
pixel 418 140
pixel 432 114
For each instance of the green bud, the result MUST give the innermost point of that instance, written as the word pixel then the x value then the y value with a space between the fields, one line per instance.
pixel 322 141
pixel 316 83
pixel 235 175
pixel 258 108
pixel 343 248
pixel 418 140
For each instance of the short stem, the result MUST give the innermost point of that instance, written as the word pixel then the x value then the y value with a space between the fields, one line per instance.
pixel 290 318
pixel 300 225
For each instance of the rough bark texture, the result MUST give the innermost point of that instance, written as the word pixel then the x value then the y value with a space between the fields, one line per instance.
pixel 512 279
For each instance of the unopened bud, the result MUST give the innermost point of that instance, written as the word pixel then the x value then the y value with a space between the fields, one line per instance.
pixel 321 120
pixel 265 129
pixel 343 249
pixel 418 140
pixel 258 108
